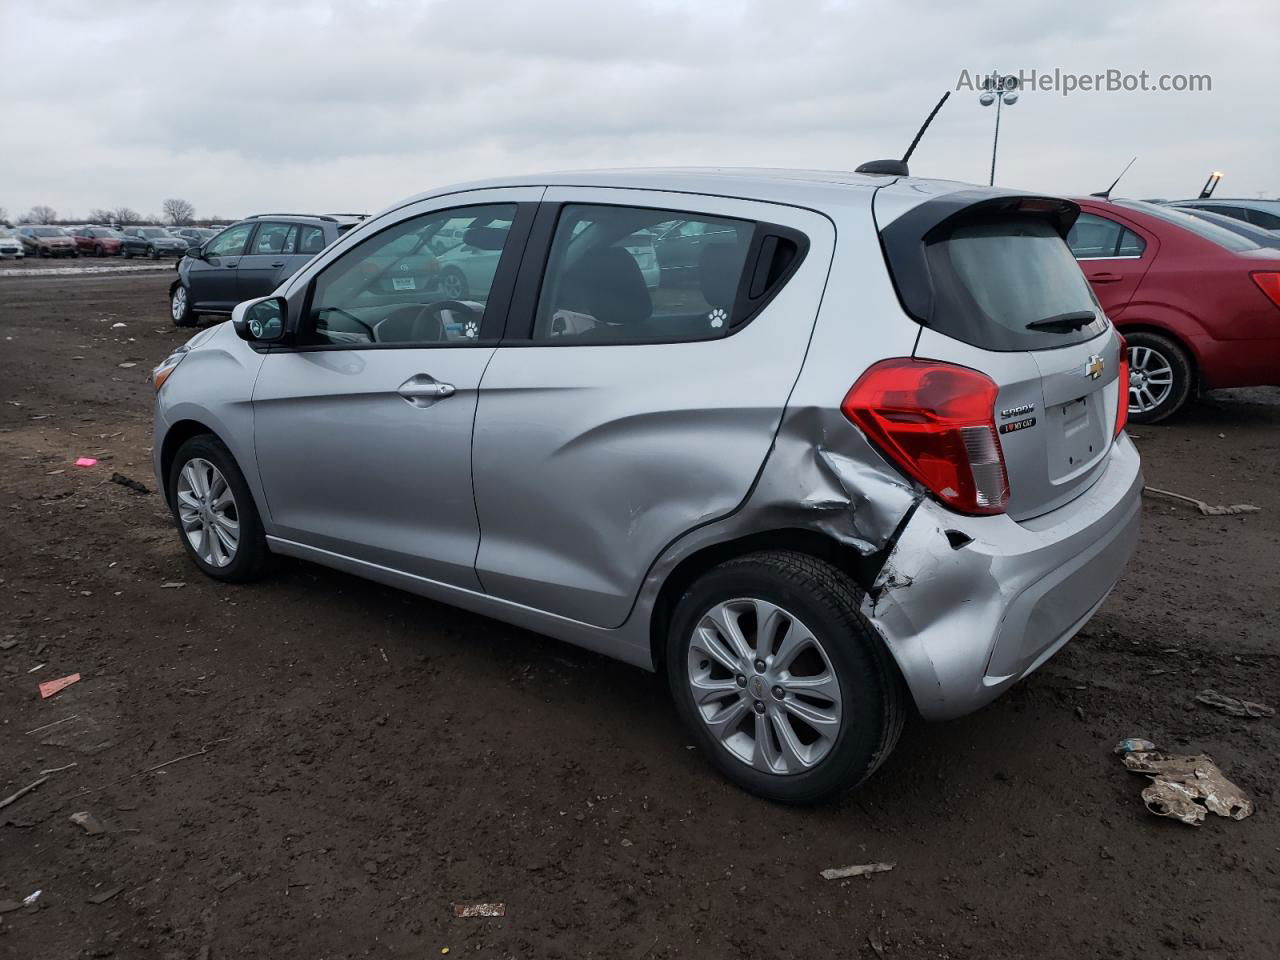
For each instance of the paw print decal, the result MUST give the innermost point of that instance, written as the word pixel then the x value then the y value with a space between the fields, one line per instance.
pixel 471 330
pixel 717 318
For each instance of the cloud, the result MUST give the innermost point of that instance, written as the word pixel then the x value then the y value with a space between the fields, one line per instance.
pixel 350 105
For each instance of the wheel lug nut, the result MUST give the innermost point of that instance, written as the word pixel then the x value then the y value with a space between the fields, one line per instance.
pixel 741 680
pixel 759 665
pixel 759 706
pixel 779 693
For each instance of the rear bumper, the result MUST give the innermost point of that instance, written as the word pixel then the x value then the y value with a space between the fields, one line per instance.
pixel 965 624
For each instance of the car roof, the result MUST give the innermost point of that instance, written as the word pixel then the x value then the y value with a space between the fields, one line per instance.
pixel 308 217
pixel 1255 203
pixel 807 188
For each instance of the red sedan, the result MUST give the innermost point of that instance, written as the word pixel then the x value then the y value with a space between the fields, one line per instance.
pixel 99 241
pixel 1198 305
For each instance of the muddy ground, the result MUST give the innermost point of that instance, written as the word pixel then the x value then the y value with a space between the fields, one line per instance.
pixel 316 766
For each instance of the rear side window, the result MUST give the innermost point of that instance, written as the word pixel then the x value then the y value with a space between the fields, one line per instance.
pixel 636 275
pixel 312 240
pixel 272 238
pixel 1010 283
pixel 1096 238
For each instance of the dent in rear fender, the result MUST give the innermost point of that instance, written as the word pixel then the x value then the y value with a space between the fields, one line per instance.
pixel 821 475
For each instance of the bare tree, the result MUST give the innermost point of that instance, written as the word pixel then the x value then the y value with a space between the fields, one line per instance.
pixel 126 215
pixel 99 215
pixel 4 215
pixel 41 214
pixel 178 212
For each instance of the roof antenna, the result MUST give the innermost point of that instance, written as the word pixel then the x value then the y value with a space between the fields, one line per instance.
pixel 1106 194
pixel 898 168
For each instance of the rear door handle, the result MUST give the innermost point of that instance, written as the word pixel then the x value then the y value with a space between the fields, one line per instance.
pixel 423 390
pixel 1105 277
pixel 277 263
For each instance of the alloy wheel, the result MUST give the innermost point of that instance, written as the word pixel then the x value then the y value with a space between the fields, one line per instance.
pixel 764 686
pixel 179 304
pixel 1150 379
pixel 207 512
pixel 452 284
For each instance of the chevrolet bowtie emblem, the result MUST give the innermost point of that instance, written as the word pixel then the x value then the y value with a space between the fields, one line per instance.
pixel 1094 367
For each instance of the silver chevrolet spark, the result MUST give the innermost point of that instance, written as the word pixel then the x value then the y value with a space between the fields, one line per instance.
pixel 823 447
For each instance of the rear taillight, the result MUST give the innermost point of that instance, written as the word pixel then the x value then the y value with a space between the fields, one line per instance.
pixel 1268 283
pixel 936 421
pixel 1122 384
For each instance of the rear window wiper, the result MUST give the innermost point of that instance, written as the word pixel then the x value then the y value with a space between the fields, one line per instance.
pixel 1063 322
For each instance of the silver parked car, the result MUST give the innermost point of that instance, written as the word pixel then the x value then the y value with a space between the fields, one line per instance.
pixel 864 453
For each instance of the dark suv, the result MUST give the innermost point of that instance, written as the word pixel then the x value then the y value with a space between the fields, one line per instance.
pixel 249 259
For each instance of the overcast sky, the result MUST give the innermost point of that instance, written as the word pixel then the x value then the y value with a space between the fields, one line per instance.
pixel 350 105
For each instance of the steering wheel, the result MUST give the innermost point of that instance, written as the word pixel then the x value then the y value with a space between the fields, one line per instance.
pixel 440 306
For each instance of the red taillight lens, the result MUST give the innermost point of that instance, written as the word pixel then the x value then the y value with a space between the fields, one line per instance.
pixel 937 422
pixel 1268 283
pixel 1122 383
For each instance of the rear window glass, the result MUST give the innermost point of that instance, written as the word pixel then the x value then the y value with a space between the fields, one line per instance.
pixel 1201 228
pixel 994 278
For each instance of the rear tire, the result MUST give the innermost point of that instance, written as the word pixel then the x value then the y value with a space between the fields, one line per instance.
pixel 822 604
pixel 1161 377
pixel 153 253
pixel 207 534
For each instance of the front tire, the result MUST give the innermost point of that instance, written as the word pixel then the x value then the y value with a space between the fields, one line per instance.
pixel 217 520
pixel 153 253
pixel 98 252
pixel 783 684
pixel 180 307
pixel 1160 377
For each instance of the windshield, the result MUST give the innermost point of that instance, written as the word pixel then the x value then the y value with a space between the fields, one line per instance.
pixel 48 232
pixel 1201 228
pixel 7 232
pixel 154 232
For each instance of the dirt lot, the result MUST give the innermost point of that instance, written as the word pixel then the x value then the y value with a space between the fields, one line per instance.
pixel 362 758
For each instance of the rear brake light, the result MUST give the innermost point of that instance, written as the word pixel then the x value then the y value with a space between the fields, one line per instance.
pixel 1122 384
pixel 936 421
pixel 1269 283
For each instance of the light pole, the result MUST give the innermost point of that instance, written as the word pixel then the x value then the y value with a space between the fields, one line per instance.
pixel 1002 91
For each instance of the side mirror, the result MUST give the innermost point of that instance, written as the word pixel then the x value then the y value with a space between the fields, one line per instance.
pixel 196 252
pixel 261 321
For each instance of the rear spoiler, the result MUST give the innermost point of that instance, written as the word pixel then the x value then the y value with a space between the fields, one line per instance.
pixel 903 241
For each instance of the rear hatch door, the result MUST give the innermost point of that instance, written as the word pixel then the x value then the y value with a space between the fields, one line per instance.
pixel 1004 296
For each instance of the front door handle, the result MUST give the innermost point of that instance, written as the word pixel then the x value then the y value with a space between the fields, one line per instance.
pixel 1105 277
pixel 423 390
pixel 278 263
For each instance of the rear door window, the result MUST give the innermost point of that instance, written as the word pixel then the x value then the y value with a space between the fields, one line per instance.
pixel 311 240
pixel 1011 283
pixel 272 238
pixel 634 275
pixel 1097 238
